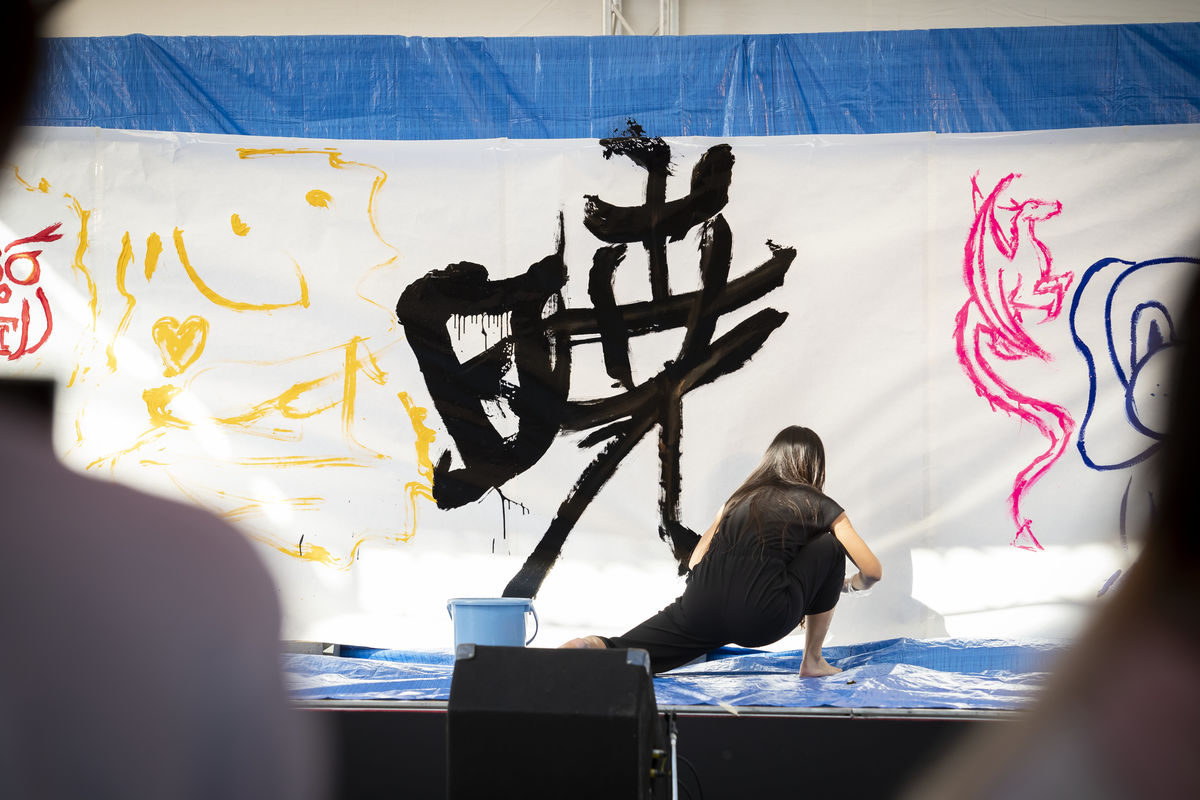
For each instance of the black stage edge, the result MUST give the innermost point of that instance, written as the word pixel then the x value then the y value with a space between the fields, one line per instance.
pixel 398 749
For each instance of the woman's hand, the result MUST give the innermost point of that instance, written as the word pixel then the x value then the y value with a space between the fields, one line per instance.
pixel 850 587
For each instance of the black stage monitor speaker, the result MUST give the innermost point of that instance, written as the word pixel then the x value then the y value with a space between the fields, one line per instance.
pixel 539 723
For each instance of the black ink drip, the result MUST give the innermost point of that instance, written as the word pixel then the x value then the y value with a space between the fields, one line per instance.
pixel 505 503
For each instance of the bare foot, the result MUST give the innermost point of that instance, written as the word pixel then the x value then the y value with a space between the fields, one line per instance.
pixel 586 643
pixel 818 669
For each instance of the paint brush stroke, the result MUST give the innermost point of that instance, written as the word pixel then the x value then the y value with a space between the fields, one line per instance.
pixel 21 298
pixel 1111 346
pixel 543 333
pixel 610 319
pixel 709 194
pixel 459 389
pixel 990 327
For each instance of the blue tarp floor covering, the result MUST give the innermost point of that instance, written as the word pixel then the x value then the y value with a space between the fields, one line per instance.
pixel 982 674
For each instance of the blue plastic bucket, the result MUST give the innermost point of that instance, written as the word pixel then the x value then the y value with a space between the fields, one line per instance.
pixel 491 620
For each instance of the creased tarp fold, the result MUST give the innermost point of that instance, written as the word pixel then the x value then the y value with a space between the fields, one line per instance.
pixel 892 673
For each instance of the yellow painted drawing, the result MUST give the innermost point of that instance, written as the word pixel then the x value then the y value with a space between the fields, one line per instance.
pixel 252 357
pixel 179 343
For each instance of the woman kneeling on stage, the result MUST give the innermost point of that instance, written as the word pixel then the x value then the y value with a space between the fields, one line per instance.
pixel 774 558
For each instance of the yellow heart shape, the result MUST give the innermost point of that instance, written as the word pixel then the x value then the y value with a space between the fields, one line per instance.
pixel 180 344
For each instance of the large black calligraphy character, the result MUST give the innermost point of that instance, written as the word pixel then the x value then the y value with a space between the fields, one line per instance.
pixel 529 367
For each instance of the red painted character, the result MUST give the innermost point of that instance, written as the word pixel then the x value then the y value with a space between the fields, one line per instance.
pixel 25 318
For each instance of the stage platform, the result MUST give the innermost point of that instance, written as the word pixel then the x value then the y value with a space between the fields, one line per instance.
pixel 748 724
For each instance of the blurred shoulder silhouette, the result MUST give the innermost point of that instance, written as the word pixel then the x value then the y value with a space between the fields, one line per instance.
pixel 141 636
pixel 142 640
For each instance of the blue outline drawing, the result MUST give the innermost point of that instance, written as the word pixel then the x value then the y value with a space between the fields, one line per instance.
pixel 1142 331
pixel 1151 317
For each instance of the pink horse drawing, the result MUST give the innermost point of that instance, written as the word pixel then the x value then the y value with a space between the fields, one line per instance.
pixel 991 328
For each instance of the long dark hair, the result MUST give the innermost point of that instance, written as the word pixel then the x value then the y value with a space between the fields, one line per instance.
pixel 795 458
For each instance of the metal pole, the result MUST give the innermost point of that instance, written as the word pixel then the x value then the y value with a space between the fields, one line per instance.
pixel 674 764
pixel 613 22
pixel 668 17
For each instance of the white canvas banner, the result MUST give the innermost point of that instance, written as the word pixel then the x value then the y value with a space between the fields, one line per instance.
pixel 413 371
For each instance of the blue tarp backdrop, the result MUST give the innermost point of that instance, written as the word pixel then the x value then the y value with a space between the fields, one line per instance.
pixel 388 87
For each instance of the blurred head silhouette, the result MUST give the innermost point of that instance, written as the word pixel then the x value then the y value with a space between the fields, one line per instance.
pixel 19 48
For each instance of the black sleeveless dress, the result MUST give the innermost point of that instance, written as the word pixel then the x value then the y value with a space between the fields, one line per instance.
pixel 753 586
